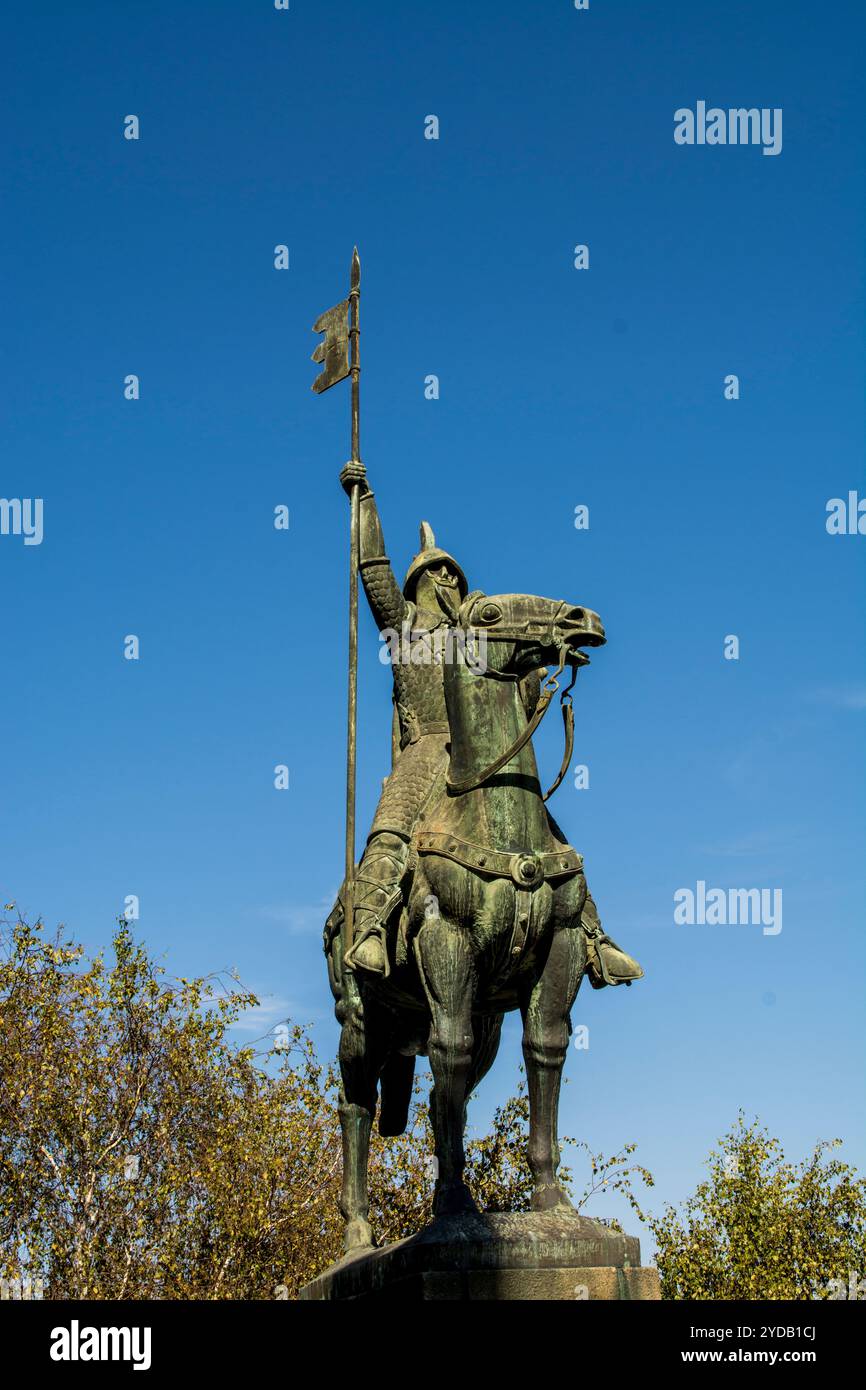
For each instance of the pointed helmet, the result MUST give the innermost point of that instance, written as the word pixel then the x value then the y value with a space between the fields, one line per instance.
pixel 431 554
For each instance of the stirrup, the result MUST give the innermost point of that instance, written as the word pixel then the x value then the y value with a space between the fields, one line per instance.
pixel 352 963
pixel 607 963
pixel 375 926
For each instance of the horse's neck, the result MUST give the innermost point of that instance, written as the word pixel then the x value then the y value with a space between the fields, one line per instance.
pixel 507 812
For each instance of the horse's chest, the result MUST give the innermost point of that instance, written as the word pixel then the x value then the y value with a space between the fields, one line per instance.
pixel 505 922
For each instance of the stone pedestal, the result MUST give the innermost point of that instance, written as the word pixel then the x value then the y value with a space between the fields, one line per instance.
pixel 531 1255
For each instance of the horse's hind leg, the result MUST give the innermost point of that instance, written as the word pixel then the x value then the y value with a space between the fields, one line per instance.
pixel 356 1107
pixel 545 1042
pixel 363 1045
pixel 488 1031
pixel 447 970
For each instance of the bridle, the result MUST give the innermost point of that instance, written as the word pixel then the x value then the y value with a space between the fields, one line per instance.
pixel 548 690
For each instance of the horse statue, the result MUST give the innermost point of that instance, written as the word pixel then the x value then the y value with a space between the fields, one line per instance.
pixel 491 914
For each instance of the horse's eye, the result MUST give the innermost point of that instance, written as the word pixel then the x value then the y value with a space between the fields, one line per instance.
pixel 490 613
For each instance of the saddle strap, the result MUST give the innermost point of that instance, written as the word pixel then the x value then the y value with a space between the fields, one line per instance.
pixel 526 869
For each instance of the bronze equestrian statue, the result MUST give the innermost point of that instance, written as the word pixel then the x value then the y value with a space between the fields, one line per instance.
pixel 469 902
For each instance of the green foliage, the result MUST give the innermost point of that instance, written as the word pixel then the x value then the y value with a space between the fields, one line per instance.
pixel 109 1068
pixel 145 1155
pixel 760 1227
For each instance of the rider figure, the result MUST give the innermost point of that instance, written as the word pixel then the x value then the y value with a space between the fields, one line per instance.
pixel 434 587
pixel 424 610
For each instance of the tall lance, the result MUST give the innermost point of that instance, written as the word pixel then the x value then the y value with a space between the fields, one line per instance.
pixel 339 352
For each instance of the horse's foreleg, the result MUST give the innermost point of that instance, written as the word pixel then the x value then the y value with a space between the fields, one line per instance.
pixel 447 971
pixel 545 1042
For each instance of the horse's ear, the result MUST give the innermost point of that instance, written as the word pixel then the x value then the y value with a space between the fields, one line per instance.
pixel 428 540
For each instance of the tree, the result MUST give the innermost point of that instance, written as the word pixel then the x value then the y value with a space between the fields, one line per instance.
pixel 760 1227
pixel 141 1155
pixel 144 1155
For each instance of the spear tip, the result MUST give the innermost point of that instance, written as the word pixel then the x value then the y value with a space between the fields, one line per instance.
pixel 356 269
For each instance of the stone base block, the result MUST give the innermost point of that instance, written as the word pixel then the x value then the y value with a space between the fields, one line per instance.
pixel 522 1255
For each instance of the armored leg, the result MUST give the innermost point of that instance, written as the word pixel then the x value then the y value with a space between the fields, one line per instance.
pixel 377 897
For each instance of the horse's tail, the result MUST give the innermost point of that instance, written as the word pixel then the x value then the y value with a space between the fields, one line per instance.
pixel 396 1094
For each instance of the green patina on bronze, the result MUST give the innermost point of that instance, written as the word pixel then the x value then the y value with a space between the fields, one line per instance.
pixel 468 902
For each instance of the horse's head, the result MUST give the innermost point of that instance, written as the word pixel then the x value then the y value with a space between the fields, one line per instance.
pixel 518 633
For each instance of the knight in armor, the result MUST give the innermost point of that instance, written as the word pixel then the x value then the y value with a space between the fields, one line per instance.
pixel 418 613
pixel 421 614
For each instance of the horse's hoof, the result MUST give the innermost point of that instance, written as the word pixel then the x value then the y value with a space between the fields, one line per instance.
pixel 453 1199
pixel 359 1236
pixel 549 1195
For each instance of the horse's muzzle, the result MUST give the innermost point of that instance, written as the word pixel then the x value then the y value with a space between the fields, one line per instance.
pixel 580 627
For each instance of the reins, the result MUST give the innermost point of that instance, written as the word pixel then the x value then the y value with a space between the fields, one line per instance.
pixel 548 690
pixel 567 706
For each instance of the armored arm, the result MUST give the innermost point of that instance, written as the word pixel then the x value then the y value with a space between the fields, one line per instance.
pixel 384 596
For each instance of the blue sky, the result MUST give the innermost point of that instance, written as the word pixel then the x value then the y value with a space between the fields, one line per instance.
pixel 558 387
